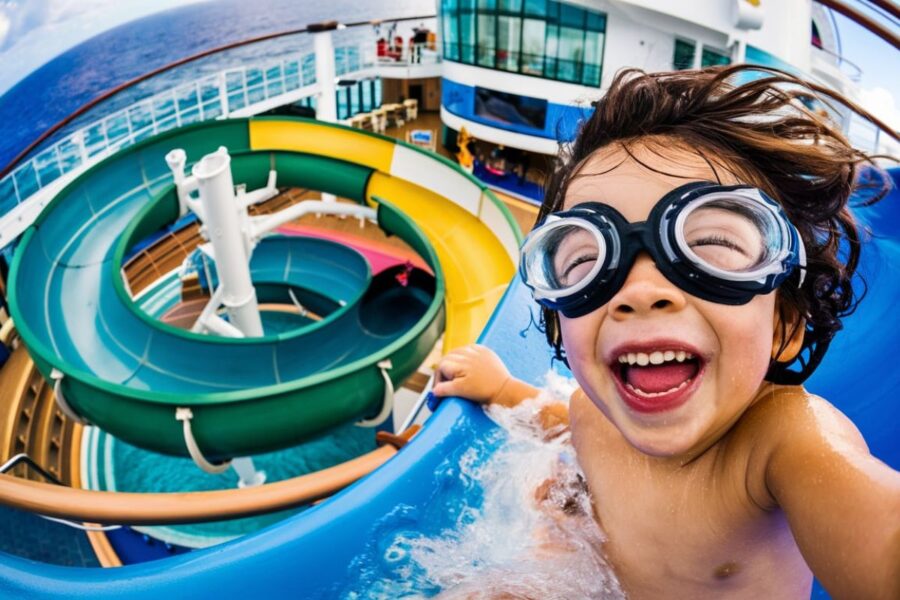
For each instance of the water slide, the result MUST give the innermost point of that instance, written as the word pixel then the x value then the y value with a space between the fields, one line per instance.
pixel 128 373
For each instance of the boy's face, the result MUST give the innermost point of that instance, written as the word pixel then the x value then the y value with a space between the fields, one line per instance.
pixel 675 409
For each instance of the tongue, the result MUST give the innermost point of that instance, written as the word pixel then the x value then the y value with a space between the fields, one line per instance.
pixel 660 378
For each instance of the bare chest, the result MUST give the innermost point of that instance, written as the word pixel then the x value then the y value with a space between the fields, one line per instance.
pixel 691 532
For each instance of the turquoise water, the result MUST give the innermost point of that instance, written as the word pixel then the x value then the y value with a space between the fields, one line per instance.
pixel 119 466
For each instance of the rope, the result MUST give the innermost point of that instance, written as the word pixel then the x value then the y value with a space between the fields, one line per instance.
pixel 387 404
pixel 185 415
pixel 57 376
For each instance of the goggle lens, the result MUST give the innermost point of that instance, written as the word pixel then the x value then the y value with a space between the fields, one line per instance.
pixel 731 235
pixel 563 256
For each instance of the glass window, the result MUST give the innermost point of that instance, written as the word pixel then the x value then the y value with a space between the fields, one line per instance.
pixel 591 71
pixel 513 6
pixel 450 35
pixel 378 92
pixel 508 31
pixel 595 21
pixel 571 16
pixel 354 99
pixel 342 106
pixel 545 38
pixel 367 95
pixel 571 53
pixel 467 37
pixel 533 33
pixel 712 57
pixel 684 55
pixel 551 50
pixel 537 8
pixel 486 37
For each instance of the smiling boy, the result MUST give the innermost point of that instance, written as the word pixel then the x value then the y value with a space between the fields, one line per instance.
pixel 686 256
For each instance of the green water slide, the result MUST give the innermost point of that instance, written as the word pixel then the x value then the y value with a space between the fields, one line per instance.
pixel 128 373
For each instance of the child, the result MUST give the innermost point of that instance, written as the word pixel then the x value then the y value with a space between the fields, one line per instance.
pixel 694 257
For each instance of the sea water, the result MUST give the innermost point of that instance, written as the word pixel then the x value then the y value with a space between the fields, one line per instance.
pixel 524 527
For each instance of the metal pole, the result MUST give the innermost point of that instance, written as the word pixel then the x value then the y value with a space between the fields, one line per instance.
pixel 223 222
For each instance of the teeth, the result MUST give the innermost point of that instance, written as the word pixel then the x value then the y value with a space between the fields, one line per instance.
pixel 644 394
pixel 657 357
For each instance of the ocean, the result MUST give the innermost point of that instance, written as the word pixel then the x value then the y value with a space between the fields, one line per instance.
pixel 70 80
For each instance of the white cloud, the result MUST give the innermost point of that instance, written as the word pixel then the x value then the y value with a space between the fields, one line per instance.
pixel 881 103
pixel 5 25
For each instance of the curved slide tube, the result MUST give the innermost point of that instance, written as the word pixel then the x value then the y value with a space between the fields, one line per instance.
pixel 318 554
pixel 128 373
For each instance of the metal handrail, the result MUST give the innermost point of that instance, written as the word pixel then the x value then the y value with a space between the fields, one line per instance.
pixel 27 460
pixel 856 75
pixel 24 458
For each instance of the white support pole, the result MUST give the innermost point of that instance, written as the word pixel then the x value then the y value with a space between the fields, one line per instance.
pixel 326 107
pixel 222 220
pixel 262 225
pixel 248 475
pixel 176 159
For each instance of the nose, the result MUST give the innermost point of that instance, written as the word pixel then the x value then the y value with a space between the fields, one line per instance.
pixel 645 292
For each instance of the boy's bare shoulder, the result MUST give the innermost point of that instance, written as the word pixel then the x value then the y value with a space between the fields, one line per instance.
pixel 781 412
pixel 789 418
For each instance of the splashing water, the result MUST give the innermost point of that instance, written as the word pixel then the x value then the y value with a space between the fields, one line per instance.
pixel 523 529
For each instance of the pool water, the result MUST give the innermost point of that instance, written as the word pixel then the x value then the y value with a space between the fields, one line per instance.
pixel 114 465
pixel 513 535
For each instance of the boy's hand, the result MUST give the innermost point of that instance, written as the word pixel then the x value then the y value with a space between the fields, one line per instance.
pixel 474 372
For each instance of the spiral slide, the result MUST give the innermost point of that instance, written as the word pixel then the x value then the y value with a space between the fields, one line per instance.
pixel 128 373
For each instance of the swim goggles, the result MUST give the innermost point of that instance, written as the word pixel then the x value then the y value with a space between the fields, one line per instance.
pixel 725 244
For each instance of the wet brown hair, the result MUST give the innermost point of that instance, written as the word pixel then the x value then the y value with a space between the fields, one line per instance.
pixel 762 132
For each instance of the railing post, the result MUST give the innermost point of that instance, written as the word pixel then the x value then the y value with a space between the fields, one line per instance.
pixel 59 162
pixel 16 187
pixel 199 99
pixel 223 93
pixel 78 139
pixel 177 108
pixel 246 94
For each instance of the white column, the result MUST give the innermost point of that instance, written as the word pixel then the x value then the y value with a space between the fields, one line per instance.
pixel 223 223
pixel 326 107
pixel 248 475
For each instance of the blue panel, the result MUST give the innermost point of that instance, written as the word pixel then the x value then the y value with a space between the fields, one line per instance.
pixel 561 123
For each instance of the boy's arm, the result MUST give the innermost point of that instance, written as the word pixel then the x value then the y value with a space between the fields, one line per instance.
pixel 477 373
pixel 843 504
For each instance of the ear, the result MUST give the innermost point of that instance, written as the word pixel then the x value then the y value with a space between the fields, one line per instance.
pixel 786 349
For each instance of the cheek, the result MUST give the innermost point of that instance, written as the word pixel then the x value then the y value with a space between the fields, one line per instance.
pixel 579 337
pixel 746 340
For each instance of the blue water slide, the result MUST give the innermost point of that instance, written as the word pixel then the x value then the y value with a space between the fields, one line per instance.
pixel 322 552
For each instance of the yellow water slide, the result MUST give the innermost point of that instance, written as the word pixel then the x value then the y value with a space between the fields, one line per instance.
pixel 474 235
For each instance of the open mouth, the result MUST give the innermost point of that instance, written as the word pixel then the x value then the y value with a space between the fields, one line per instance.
pixel 659 380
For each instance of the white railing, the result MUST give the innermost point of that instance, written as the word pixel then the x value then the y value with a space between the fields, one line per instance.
pixel 234 91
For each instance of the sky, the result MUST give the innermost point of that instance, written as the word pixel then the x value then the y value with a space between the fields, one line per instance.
pixel 34 31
